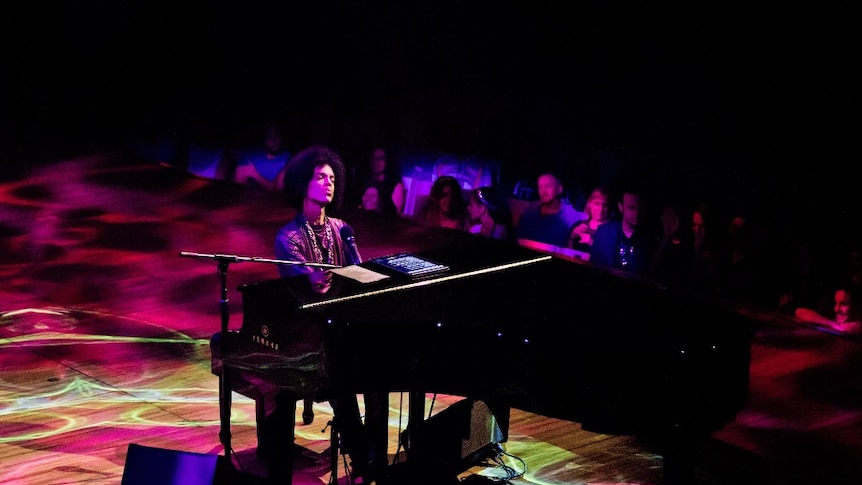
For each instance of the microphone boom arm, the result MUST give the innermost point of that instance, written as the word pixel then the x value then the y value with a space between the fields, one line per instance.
pixel 232 258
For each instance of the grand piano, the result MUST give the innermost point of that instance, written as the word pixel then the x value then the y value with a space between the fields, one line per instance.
pixel 504 324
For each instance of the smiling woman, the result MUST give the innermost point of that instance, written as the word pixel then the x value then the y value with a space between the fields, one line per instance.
pixel 844 317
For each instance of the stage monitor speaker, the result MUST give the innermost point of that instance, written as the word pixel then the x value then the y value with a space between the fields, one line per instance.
pixel 462 434
pixel 146 465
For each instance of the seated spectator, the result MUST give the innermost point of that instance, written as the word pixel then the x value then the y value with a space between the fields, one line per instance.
pixel 709 266
pixel 263 167
pixel 799 280
pixel 445 205
pixel 741 277
pixel 385 175
pixel 625 244
pixel 671 263
pixel 206 157
pixel 551 218
pixel 489 212
pixel 813 270
pixel 597 209
pixel 374 199
pixel 853 265
pixel 844 317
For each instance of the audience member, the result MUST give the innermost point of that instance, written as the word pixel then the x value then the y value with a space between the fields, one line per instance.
pixel 445 205
pixel 845 315
pixel 551 218
pixel 489 212
pixel 671 263
pixel 207 158
pixel 813 270
pixel 851 266
pixel 313 183
pixel 373 199
pixel 800 280
pixel 741 271
pixel 709 251
pixel 598 211
pixel 379 171
pixel 625 244
pixel 263 167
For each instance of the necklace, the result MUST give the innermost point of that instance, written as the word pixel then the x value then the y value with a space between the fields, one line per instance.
pixel 321 245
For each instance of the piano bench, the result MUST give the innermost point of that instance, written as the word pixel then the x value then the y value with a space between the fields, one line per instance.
pixel 257 385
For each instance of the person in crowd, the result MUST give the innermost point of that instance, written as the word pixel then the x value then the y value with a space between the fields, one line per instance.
pixel 625 244
pixel 489 213
pixel 813 270
pixel 844 317
pixel 709 252
pixel 598 211
pixel 671 263
pixel 445 205
pixel 741 275
pixel 378 171
pixel 800 280
pixel 263 167
pixel 853 265
pixel 550 220
pixel 313 183
pixel 374 199
pixel 207 157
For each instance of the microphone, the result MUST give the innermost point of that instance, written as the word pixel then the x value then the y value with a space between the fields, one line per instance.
pixel 349 239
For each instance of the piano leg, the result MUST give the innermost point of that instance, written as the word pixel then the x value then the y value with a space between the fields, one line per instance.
pixel 377 430
pixel 278 439
pixel 224 394
pixel 415 416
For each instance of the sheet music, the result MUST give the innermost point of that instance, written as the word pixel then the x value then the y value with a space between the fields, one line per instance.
pixel 360 274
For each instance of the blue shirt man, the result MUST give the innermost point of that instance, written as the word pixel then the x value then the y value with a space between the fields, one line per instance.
pixel 551 219
pixel 623 244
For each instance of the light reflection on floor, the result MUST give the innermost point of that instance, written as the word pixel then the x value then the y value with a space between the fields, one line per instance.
pixel 45 399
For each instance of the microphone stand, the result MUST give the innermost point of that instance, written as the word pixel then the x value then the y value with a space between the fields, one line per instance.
pixel 233 258
pixel 224 391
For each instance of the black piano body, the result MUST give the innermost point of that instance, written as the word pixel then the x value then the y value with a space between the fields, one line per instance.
pixel 514 327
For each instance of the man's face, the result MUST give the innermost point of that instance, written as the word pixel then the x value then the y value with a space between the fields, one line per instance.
pixel 598 208
pixel 321 188
pixel 842 306
pixel 697 224
pixel 549 188
pixel 630 209
pixel 272 140
pixel 377 164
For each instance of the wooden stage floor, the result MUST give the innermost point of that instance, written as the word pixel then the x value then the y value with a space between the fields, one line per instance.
pixel 104 341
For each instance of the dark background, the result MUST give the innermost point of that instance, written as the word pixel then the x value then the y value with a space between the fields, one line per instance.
pixel 752 106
